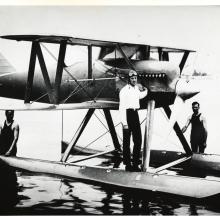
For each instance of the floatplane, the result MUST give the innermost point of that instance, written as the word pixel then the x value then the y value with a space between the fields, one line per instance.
pixel 95 84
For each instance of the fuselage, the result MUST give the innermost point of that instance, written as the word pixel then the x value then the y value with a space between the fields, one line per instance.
pixel 108 77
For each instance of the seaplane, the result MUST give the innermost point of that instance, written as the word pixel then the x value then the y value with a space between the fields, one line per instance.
pixel 95 84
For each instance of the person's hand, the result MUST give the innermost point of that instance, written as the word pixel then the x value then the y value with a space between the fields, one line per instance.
pixel 144 88
pixel 140 87
pixel 125 126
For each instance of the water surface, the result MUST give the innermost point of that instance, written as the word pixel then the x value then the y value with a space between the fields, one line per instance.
pixel 28 194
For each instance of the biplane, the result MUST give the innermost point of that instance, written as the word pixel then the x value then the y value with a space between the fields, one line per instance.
pixel 95 84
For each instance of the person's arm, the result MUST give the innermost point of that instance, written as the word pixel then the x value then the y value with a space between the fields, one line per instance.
pixel 187 124
pixel 0 129
pixel 205 126
pixel 122 109
pixel 143 92
pixel 16 135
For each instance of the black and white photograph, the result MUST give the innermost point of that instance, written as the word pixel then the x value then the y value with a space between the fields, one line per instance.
pixel 109 109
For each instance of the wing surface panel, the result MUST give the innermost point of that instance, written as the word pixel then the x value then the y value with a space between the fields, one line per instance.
pixel 87 42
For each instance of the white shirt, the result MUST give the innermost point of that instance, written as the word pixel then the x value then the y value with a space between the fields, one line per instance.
pixel 129 98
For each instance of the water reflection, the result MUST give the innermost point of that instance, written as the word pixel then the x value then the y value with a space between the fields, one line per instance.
pixel 140 203
pixel 43 195
pixel 193 210
pixel 134 205
pixel 8 189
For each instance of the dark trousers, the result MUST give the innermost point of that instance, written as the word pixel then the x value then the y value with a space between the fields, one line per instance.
pixel 134 129
pixel 195 145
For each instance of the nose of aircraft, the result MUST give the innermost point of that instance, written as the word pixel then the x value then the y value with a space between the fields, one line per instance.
pixel 186 89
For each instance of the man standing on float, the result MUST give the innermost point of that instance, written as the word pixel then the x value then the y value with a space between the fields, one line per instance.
pixel 130 96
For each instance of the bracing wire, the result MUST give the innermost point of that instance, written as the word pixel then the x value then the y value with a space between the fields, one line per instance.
pixel 74 91
pixel 92 142
pixel 71 94
pixel 39 98
pixel 62 126
pixel 68 73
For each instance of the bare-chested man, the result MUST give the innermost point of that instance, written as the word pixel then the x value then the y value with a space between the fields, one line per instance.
pixel 9 133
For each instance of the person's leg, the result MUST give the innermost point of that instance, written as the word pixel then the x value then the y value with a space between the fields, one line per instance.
pixel 126 143
pixel 202 147
pixel 126 148
pixel 194 146
pixel 137 139
pixel 137 146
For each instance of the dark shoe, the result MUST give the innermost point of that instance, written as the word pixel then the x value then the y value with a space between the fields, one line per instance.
pixel 129 168
pixel 136 169
pixel 117 153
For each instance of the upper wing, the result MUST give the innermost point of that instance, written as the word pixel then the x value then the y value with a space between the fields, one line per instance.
pixel 87 42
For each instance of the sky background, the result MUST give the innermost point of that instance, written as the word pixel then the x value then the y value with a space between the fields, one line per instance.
pixel 192 27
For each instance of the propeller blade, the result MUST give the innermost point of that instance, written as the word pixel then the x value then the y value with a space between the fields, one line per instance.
pixel 187 89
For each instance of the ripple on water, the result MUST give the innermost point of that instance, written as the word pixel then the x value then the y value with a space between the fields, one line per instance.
pixel 39 194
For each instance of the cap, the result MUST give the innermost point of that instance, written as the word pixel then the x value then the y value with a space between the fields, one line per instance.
pixel 132 73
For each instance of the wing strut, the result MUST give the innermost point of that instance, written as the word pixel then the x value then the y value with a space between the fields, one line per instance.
pixel 163 55
pixel 72 77
pixel 89 62
pixel 59 72
pixel 52 91
pixel 91 156
pixel 31 69
pixel 160 51
pixel 183 61
pixel 171 164
pixel 179 133
pixel 45 75
pixel 125 57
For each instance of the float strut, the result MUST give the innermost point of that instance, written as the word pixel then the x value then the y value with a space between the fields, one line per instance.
pixel 148 134
pixel 77 134
pixel 112 130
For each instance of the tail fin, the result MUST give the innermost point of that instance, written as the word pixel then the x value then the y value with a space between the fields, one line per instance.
pixel 5 66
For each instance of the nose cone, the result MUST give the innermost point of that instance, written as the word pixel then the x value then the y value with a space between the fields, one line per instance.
pixel 186 89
